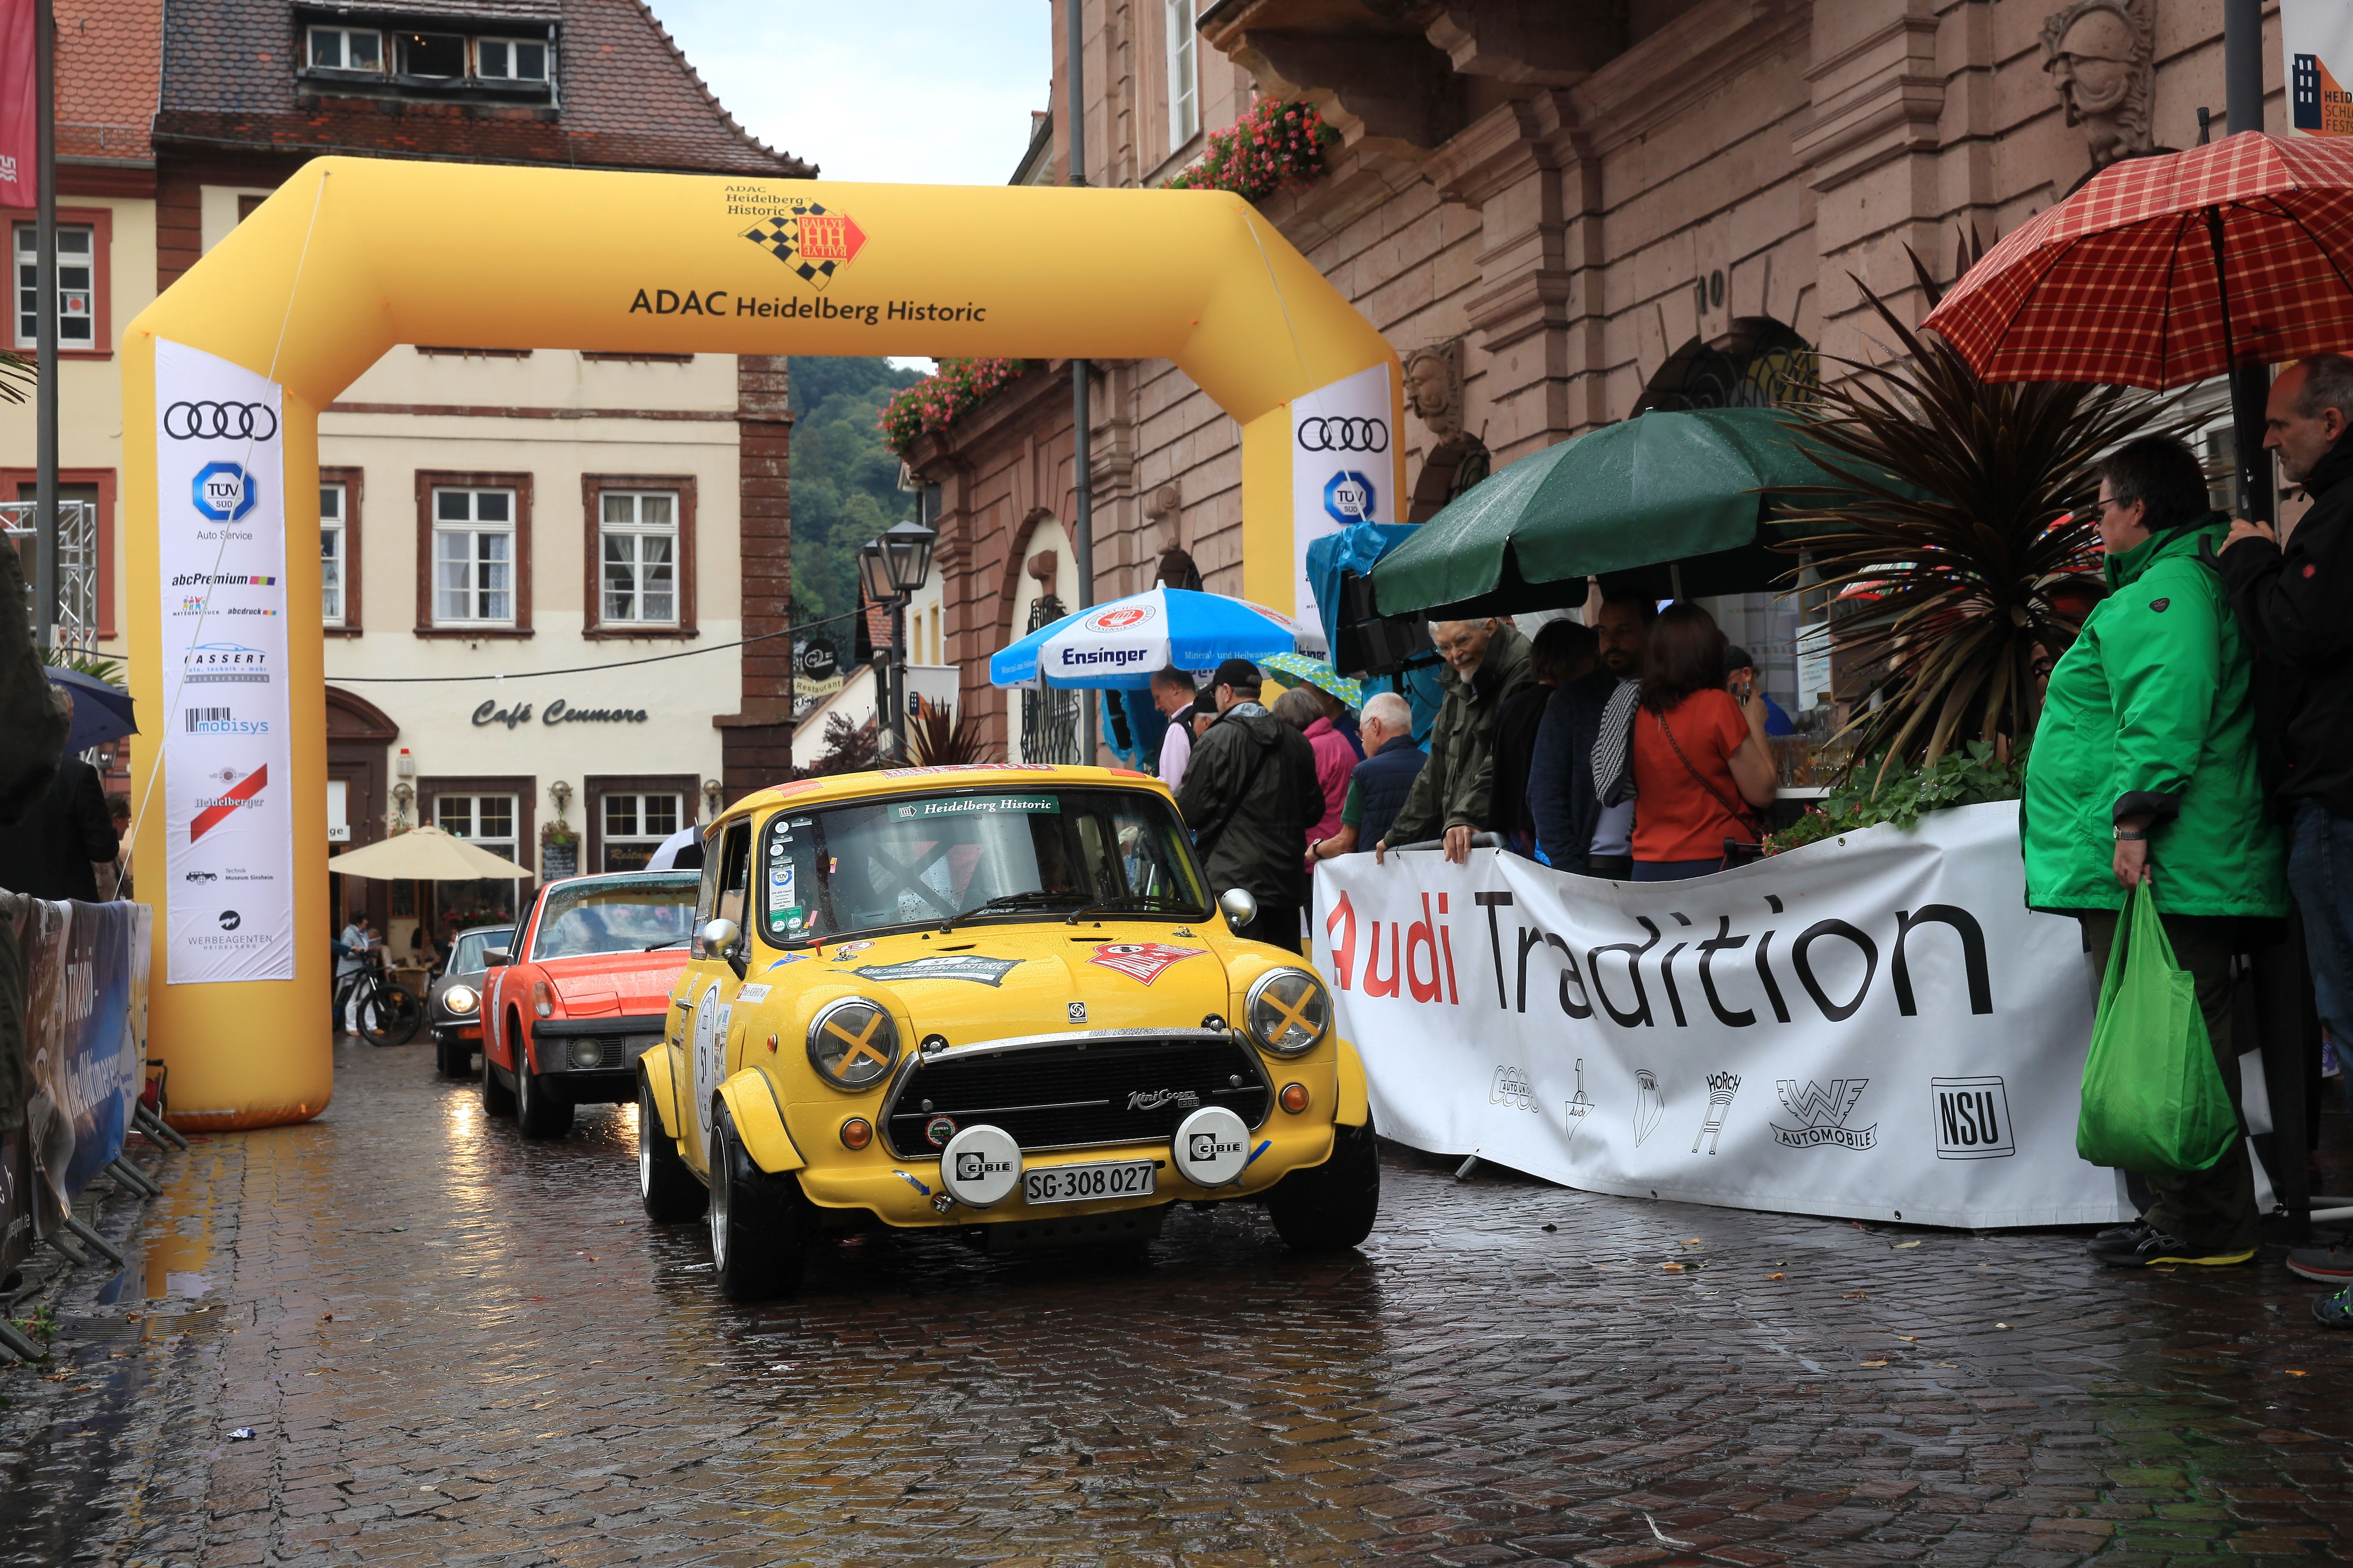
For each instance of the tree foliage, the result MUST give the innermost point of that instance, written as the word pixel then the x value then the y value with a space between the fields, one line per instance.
pixel 845 484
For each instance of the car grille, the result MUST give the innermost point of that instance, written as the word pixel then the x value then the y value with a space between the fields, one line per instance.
pixel 619 1051
pixel 1089 1091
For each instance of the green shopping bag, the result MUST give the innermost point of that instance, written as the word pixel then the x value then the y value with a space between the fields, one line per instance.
pixel 2153 1099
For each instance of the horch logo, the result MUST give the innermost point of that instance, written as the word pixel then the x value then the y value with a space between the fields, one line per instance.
pixel 814 242
pixel 1821 1114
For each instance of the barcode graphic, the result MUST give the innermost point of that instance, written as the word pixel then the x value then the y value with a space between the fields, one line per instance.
pixel 198 717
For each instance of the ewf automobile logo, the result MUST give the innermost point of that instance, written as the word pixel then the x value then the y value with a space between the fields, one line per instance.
pixel 224 492
pixel 220 421
pixel 1323 434
pixel 1821 1115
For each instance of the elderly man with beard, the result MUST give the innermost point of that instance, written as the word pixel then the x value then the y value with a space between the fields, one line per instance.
pixel 1486 664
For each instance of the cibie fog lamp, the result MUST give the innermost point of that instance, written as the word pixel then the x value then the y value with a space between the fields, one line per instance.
pixel 1288 1012
pixel 852 1043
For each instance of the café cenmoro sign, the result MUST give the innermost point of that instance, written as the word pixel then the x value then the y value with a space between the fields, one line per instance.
pixel 557 712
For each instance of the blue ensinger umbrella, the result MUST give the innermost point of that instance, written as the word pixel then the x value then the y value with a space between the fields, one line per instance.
pixel 102 712
pixel 1123 643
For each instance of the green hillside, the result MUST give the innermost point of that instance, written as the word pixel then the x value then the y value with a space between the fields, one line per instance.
pixel 845 484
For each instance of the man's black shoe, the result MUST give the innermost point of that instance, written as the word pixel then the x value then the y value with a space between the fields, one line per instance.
pixel 2117 1233
pixel 2143 1246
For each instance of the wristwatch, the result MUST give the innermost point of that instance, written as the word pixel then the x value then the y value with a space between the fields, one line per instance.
pixel 2131 834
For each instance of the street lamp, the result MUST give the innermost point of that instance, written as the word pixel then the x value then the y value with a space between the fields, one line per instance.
pixel 893 569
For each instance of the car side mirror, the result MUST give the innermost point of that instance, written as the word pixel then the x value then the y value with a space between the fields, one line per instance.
pixel 1238 907
pixel 720 936
pixel 496 957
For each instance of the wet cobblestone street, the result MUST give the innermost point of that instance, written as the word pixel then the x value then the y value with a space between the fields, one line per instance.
pixel 455 1347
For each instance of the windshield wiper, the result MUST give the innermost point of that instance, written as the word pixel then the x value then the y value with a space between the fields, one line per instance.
pixel 1005 901
pixel 1134 901
pixel 669 942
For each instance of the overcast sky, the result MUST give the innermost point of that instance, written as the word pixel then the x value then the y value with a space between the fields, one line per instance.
pixel 935 92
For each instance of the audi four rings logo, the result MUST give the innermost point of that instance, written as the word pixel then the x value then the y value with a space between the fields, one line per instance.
pixel 1322 434
pixel 229 421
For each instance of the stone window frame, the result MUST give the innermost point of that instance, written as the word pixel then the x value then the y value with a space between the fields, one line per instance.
pixel 427 482
pixel 593 627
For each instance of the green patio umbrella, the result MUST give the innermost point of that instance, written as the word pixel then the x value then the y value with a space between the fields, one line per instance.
pixel 1656 491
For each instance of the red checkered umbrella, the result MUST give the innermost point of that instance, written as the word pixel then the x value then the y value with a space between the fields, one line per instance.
pixel 2117 283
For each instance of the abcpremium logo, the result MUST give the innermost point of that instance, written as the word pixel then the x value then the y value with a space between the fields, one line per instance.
pixel 1821 1114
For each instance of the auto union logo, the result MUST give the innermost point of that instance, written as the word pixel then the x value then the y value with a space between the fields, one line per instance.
pixel 1142 961
pixel 815 243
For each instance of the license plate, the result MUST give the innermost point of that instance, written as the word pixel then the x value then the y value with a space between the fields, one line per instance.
pixel 1078 1184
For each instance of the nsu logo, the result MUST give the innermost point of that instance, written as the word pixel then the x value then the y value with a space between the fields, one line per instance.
pixel 1325 434
pixel 220 421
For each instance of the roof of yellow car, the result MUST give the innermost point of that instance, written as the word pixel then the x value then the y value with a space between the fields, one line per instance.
pixel 836 787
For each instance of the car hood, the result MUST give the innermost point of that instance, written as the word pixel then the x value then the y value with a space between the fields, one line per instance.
pixel 615 981
pixel 1030 979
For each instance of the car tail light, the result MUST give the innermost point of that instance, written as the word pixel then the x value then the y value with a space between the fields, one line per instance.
pixel 543 999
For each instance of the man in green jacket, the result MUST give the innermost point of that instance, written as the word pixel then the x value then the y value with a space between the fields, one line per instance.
pixel 1486 663
pixel 2144 772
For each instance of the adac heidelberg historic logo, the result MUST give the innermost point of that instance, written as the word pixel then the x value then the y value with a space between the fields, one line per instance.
pixel 811 239
pixel 1821 1114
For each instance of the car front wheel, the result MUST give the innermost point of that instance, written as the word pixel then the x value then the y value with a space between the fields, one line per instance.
pixel 760 1224
pixel 537 1113
pixel 497 1100
pixel 1330 1208
pixel 665 1184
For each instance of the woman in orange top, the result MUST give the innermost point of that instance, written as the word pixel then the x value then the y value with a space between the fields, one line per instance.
pixel 1701 768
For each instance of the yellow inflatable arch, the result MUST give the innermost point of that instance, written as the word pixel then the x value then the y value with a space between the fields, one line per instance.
pixel 225 375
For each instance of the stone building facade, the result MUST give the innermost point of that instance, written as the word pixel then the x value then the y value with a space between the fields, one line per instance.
pixel 1561 216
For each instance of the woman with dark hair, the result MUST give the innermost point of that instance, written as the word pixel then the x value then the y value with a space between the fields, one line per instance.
pixel 1702 770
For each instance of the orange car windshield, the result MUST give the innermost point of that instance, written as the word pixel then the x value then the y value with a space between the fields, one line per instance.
pixel 600 915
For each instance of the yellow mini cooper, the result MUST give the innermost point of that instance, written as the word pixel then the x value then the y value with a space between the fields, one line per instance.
pixel 992 1000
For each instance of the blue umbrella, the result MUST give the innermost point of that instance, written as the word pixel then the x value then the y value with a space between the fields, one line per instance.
pixel 102 712
pixel 1123 643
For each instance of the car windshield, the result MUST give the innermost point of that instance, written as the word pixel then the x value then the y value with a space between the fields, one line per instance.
pixel 616 915
pixel 465 958
pixel 923 859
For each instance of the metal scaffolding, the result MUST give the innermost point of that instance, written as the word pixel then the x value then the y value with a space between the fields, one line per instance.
pixel 77 608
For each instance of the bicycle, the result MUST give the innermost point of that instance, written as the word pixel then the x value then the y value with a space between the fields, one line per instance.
pixel 389 1014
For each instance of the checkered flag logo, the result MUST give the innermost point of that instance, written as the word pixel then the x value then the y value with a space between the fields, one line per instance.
pixel 812 241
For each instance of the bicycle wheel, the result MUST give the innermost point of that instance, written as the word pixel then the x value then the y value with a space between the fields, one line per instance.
pixel 392 1017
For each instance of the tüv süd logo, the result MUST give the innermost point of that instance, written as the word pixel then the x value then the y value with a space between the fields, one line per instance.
pixel 973 1167
pixel 1208 1146
pixel 224 492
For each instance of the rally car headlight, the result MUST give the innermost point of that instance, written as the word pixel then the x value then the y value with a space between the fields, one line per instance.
pixel 460 1001
pixel 852 1043
pixel 1288 1011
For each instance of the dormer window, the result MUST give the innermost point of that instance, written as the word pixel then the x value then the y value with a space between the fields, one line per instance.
pixel 346 48
pixel 510 60
pixel 437 54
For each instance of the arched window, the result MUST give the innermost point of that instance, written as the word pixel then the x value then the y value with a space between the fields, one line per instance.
pixel 1760 364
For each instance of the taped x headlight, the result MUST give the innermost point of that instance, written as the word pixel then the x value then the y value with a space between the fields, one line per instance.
pixel 1288 1011
pixel 852 1043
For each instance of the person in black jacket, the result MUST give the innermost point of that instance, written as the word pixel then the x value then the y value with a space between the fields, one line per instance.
pixel 1250 796
pixel 1561 651
pixel 1572 830
pixel 2296 604
pixel 56 850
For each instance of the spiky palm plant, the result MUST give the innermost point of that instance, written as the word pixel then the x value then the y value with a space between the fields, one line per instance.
pixel 940 739
pixel 1969 498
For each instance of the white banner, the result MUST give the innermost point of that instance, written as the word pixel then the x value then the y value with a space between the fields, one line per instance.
pixel 2317 37
pixel 1342 472
pixel 220 493
pixel 1873 1027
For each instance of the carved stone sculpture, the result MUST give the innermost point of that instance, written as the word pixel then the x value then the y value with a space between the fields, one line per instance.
pixel 2100 55
pixel 1433 388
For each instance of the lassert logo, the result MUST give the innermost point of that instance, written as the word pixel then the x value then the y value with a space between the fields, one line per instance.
pixel 810 240
pixel 1120 619
pixel 1322 434
pixel 209 663
pixel 221 422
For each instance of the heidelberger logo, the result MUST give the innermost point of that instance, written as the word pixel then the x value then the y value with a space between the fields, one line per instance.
pixel 214 810
pixel 813 242
pixel 1821 1116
